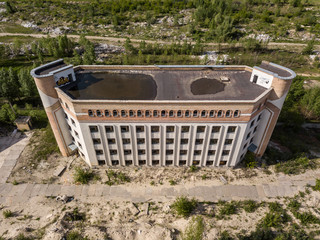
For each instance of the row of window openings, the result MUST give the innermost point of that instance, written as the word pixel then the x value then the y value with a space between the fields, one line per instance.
pixel 157 140
pixel 79 144
pixel 157 162
pixel 165 113
pixel 72 121
pixel 251 141
pixel 168 152
pixel 154 129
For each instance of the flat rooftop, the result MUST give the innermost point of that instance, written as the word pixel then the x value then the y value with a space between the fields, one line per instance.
pixel 162 84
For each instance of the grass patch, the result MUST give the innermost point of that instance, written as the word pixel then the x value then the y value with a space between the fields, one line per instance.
pixel 296 166
pixel 7 214
pixel 193 168
pixel 276 217
pixel 45 145
pixel 116 177
pixel 317 186
pixel 250 206
pixel 194 230
pixel 184 206
pixel 74 235
pixel 82 176
pixel 227 208
pixel 172 182
pixel 294 205
pixel 306 218
pixel 21 236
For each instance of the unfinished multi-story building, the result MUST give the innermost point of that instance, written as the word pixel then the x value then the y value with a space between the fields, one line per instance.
pixel 162 115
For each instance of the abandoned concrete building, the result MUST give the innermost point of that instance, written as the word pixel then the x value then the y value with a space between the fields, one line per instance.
pixel 203 115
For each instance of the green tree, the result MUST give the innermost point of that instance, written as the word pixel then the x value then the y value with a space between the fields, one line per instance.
pixel 7 114
pixel 27 85
pixel 10 9
pixel 311 103
pixel 77 60
pixel 9 84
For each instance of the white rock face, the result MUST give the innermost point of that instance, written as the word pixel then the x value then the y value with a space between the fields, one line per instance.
pixel 29 25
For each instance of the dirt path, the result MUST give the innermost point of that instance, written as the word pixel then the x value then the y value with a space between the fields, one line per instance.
pixel 115 39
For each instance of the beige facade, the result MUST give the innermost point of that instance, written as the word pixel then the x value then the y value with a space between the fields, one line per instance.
pixel 163 115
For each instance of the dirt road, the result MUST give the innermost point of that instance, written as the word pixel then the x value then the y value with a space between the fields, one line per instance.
pixel 115 39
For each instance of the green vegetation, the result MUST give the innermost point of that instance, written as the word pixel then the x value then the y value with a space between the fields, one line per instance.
pixel 183 206
pixel 46 144
pixel 250 160
pixel 21 236
pixel 193 168
pixel 249 206
pixel 83 176
pixel 219 20
pixel 172 182
pixel 227 208
pixel 194 230
pixel 276 217
pixel 116 177
pixel 297 165
pixel 317 186
pixel 74 235
pixel 7 214
pixel 306 218
pixel 75 215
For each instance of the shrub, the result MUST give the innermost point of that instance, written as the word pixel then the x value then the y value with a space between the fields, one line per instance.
pixel 75 215
pixel 15 182
pixel 172 182
pixel 250 160
pixel 250 205
pixel 183 206
pixel 204 176
pixel 225 236
pixel 317 186
pixel 227 208
pixel 193 168
pixel 82 176
pixel 116 177
pixel 74 235
pixel 276 217
pixel 194 230
pixel 7 213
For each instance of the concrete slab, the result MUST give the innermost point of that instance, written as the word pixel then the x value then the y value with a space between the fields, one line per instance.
pixel 92 190
pixel 17 190
pixel 68 190
pixel 59 170
pixel 99 190
pixel 50 189
pixel 119 191
pixel 106 191
pixel 77 191
pixel 42 190
pixel 28 190
pixel 261 193
pixel 85 190
pixel 5 189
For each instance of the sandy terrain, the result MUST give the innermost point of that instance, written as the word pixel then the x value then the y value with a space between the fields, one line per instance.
pixel 46 218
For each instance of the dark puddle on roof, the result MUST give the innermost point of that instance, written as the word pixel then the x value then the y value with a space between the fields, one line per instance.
pixel 206 86
pixel 113 86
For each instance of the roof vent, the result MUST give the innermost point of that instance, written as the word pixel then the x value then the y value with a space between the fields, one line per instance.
pixel 224 79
